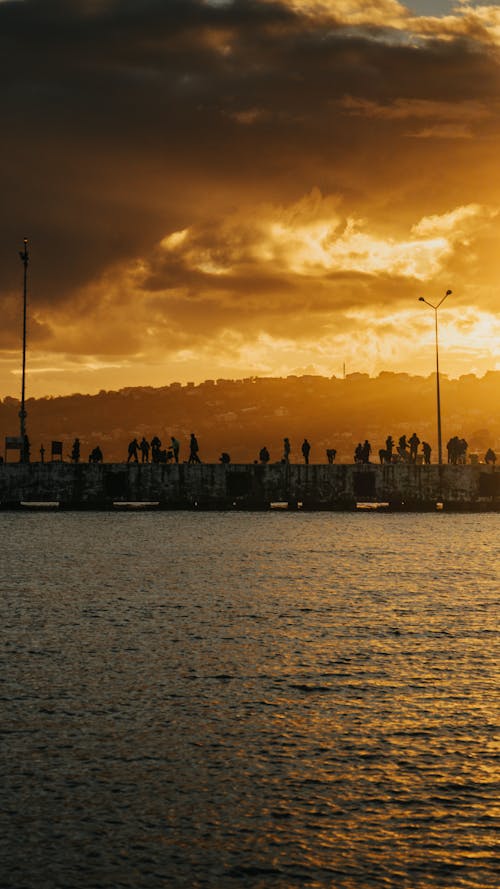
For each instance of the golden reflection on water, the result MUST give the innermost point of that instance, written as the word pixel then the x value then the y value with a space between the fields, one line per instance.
pixel 325 717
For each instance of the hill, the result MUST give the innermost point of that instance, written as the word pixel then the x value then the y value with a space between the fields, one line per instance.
pixel 239 416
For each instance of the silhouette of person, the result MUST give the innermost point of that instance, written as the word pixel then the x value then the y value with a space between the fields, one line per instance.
pixel 264 455
pixel 366 451
pixel 286 450
pixel 42 454
pixel 224 457
pixel 95 455
pixel 144 446
pixel 457 450
pixel 75 451
pixel 306 447
pixel 155 449
pixel 331 453
pixel 24 453
pixel 132 451
pixel 414 442
pixel 385 454
pixel 490 456
pixel 426 448
pixel 175 448
pixel 403 447
pixel 358 453
pixel 193 449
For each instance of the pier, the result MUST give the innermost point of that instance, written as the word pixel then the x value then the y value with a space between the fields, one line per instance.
pixel 336 487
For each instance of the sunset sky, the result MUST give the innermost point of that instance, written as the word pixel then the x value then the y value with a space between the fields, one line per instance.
pixel 257 187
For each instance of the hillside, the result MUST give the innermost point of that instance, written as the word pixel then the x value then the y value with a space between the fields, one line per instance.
pixel 239 416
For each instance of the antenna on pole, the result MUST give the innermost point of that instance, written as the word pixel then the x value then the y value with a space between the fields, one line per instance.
pixel 24 256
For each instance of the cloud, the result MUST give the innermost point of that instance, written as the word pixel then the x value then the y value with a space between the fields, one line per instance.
pixel 457 223
pixel 287 274
pixel 382 13
pixel 312 239
pixel 428 109
pixel 443 131
pixel 477 23
pixel 193 175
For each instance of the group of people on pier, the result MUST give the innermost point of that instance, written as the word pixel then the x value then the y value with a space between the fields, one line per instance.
pixel 406 451
pixel 154 447
pixel 457 450
pixel 264 455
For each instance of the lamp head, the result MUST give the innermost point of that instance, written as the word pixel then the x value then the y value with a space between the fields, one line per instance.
pixel 421 299
pixel 449 292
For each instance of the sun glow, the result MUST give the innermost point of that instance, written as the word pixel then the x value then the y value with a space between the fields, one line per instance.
pixel 311 238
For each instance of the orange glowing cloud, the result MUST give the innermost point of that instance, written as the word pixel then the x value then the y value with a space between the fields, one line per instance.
pixel 245 188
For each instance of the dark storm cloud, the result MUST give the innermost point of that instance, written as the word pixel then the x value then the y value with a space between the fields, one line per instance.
pixel 124 121
pixel 103 106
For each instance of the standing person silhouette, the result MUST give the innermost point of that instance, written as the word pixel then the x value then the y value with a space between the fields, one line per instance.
pixel 132 451
pixel 366 450
pixel 306 447
pixel 144 447
pixel 286 450
pixel 426 448
pixel 193 449
pixel 155 449
pixel 75 451
pixel 175 448
pixel 403 447
pixel 414 442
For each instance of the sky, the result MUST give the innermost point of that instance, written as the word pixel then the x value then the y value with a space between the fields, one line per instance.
pixel 258 187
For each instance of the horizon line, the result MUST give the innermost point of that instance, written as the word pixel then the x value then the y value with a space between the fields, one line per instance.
pixel 219 381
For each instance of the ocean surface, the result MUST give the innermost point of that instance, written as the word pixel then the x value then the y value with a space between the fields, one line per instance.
pixel 264 700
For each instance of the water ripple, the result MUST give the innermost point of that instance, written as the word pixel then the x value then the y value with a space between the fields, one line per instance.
pixel 212 700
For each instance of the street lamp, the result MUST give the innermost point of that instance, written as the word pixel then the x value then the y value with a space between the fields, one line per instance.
pixel 24 257
pixel 440 303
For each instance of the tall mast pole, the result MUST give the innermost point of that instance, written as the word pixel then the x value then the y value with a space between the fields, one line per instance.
pixel 24 256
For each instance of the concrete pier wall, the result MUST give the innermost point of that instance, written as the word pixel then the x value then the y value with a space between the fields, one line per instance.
pixel 250 486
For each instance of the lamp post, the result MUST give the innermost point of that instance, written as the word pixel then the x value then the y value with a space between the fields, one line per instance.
pixel 438 396
pixel 24 256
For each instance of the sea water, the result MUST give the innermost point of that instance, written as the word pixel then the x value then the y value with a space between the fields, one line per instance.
pixel 249 700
